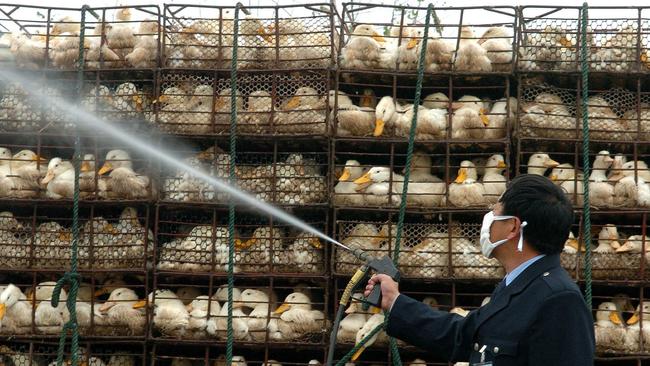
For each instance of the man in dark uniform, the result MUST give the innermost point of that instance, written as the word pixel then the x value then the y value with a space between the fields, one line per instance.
pixel 536 315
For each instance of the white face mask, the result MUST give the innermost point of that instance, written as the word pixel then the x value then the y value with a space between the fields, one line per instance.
pixel 486 245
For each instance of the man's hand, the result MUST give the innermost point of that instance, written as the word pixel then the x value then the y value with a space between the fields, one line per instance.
pixel 389 289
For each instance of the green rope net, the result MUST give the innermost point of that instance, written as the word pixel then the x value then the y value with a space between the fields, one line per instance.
pixel 584 65
pixel 232 177
pixel 72 276
pixel 396 360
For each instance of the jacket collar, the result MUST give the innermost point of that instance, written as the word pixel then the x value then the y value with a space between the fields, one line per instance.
pixel 502 299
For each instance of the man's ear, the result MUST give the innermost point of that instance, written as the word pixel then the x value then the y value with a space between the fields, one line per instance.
pixel 514 230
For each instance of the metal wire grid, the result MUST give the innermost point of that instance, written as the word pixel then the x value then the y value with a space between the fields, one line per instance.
pixel 625 167
pixel 376 37
pixel 122 37
pixel 104 307
pixel 437 172
pixel 455 108
pixel 291 37
pixel 268 103
pixel 285 173
pixel 616 112
pixel 109 172
pixel 43 353
pixel 443 249
pixel 195 241
pixel 549 36
pixel 626 310
pixel 258 316
pixel 112 238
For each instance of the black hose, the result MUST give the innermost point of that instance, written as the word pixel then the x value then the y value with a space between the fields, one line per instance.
pixel 335 331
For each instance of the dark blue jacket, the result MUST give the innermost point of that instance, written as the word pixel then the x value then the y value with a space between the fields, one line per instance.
pixel 540 319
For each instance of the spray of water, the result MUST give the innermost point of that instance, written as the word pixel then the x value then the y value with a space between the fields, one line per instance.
pixel 89 121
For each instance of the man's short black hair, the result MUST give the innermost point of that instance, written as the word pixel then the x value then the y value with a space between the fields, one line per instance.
pixel 536 200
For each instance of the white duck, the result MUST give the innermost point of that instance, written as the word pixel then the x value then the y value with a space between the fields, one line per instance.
pixel 346 191
pixel 387 112
pixel 145 48
pixel 421 168
pixel 15 311
pixel 609 328
pixel 124 182
pixel 257 117
pixel 501 118
pixel 426 194
pixel 498 42
pixel 297 318
pixel 172 103
pixel 608 239
pixel 303 113
pixel 26 171
pixel 364 49
pixel 539 163
pixel 119 311
pixel 469 120
pixel 353 120
pixel 470 56
pixel 15 249
pixel 353 322
pixel 431 123
pixel 466 190
pixel 88 182
pixel 49 319
pixel 373 322
pixel 632 341
pixel 601 192
pixel 59 179
pixel 306 253
pixel 632 189
pixel 239 323
pixel 260 306
pixel 564 175
pixel 170 316
pixel 200 315
pixel 493 180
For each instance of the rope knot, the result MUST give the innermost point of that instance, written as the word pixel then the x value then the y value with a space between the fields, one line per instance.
pixel 69 277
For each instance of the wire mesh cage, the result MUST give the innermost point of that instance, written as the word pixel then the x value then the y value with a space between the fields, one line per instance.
pixel 47 37
pixel 262 312
pixel 111 238
pixel 287 174
pixel 446 248
pixel 270 37
pixel 125 37
pixel 390 38
pixel 41 167
pixel 25 110
pixel 452 108
pixel 197 242
pixel 267 103
pixel 618 317
pixel 552 112
pixel 550 39
pixel 126 101
pixel 29 310
pixel 616 183
pixel 32 35
pixel 49 110
pixel 441 176
pixel 44 353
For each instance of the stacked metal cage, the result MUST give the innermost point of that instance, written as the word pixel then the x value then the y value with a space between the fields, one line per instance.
pixel 549 141
pixel 324 105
